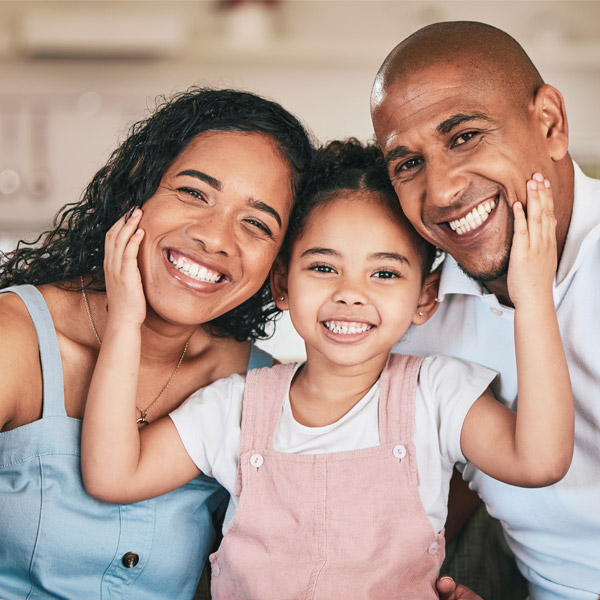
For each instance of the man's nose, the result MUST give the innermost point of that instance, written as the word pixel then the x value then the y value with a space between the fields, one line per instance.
pixel 445 180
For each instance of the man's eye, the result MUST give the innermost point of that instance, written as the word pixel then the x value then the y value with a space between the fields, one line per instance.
pixel 409 164
pixel 463 138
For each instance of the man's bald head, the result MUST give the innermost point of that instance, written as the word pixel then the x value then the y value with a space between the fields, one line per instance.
pixel 491 55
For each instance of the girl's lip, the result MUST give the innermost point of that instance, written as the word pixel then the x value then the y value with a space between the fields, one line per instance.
pixel 334 330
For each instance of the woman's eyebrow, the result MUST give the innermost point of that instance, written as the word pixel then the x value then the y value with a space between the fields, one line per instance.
pixel 258 204
pixel 214 183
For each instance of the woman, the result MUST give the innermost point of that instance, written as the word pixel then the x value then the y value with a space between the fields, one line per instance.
pixel 215 173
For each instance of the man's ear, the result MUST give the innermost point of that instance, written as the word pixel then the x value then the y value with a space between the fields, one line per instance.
pixel 551 113
pixel 428 302
pixel 278 279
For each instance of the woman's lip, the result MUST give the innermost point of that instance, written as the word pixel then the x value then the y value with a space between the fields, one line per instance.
pixel 195 277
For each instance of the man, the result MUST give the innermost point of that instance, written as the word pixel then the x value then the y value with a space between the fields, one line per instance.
pixel 464 120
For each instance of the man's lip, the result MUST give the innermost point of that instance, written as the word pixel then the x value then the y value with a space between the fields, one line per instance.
pixel 472 220
pixel 198 264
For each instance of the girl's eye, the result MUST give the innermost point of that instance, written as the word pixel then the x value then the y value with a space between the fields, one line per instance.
pixel 463 138
pixel 321 268
pixel 386 274
pixel 260 225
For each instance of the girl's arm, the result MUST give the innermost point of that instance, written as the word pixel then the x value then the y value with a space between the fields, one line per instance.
pixel 535 446
pixel 120 462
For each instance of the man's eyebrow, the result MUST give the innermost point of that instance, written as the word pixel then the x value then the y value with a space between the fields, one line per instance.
pixel 215 183
pixel 265 208
pixel 448 125
pixel 396 153
pixel 391 256
pixel 320 251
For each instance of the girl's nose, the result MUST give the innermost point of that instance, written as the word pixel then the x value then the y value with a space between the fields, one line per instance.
pixel 350 292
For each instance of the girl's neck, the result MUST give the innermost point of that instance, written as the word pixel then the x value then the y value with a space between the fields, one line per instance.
pixel 322 393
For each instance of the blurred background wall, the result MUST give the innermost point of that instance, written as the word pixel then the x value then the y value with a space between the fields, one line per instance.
pixel 75 74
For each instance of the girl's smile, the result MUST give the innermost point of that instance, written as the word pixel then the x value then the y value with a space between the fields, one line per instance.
pixel 354 280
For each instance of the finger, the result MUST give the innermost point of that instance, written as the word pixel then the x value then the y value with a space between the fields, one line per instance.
pixel 521 225
pixel 534 209
pixel 131 250
pixel 119 235
pixel 549 218
pixel 445 587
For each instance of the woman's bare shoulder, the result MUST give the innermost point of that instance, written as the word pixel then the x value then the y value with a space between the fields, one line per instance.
pixel 20 372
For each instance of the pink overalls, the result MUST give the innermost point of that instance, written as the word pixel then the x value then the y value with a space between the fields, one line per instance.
pixel 346 525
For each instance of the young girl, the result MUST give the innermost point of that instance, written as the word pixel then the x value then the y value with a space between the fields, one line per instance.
pixel 338 468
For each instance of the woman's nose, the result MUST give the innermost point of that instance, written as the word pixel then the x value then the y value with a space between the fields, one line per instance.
pixel 215 233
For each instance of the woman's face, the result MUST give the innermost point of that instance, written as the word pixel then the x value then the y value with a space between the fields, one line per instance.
pixel 214 226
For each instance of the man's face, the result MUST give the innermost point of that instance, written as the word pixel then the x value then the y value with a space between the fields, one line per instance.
pixel 459 155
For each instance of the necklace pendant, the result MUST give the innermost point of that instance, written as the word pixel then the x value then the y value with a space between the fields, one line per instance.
pixel 142 421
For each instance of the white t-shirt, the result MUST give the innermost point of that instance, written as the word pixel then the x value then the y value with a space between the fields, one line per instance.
pixel 209 423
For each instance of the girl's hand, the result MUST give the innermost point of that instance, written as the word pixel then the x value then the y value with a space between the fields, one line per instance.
pixel 533 257
pixel 126 301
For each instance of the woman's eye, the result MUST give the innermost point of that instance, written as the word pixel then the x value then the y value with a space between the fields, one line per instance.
pixel 463 138
pixel 192 192
pixel 260 225
pixel 386 274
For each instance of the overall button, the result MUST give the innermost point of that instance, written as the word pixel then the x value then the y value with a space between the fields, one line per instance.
pixel 495 311
pixel 130 559
pixel 399 451
pixel 433 548
pixel 256 460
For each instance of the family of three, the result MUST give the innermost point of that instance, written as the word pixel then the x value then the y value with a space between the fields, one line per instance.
pixel 329 478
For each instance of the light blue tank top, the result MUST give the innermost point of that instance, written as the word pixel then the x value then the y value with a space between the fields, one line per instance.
pixel 58 542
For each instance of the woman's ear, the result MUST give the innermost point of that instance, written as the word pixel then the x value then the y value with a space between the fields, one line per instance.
pixel 552 114
pixel 278 278
pixel 428 300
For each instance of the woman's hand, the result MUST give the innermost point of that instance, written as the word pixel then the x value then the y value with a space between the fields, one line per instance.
pixel 126 301
pixel 533 257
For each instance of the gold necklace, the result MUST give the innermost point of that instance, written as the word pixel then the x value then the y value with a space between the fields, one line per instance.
pixel 143 412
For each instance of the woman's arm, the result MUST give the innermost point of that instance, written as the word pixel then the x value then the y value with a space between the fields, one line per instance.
pixel 535 446
pixel 120 462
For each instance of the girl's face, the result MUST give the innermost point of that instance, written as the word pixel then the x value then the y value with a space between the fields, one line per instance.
pixel 214 226
pixel 354 280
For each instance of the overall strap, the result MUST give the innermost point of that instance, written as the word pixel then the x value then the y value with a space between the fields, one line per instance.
pixel 264 394
pixel 52 375
pixel 398 386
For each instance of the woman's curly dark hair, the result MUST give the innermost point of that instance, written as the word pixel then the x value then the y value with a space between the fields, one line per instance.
pixel 75 245
pixel 347 165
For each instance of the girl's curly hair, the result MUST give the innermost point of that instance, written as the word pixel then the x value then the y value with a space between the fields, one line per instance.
pixel 75 245
pixel 347 165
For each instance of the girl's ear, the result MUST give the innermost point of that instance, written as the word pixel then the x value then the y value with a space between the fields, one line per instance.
pixel 428 302
pixel 278 278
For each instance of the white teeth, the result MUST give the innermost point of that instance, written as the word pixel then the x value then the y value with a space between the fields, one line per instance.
pixel 474 218
pixel 194 270
pixel 346 328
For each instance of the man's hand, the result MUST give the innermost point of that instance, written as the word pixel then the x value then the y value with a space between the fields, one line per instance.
pixel 448 590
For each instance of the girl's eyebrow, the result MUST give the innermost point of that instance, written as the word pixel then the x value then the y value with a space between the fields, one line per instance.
pixel 321 251
pixel 391 256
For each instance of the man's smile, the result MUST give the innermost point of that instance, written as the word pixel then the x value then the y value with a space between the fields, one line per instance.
pixel 474 218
